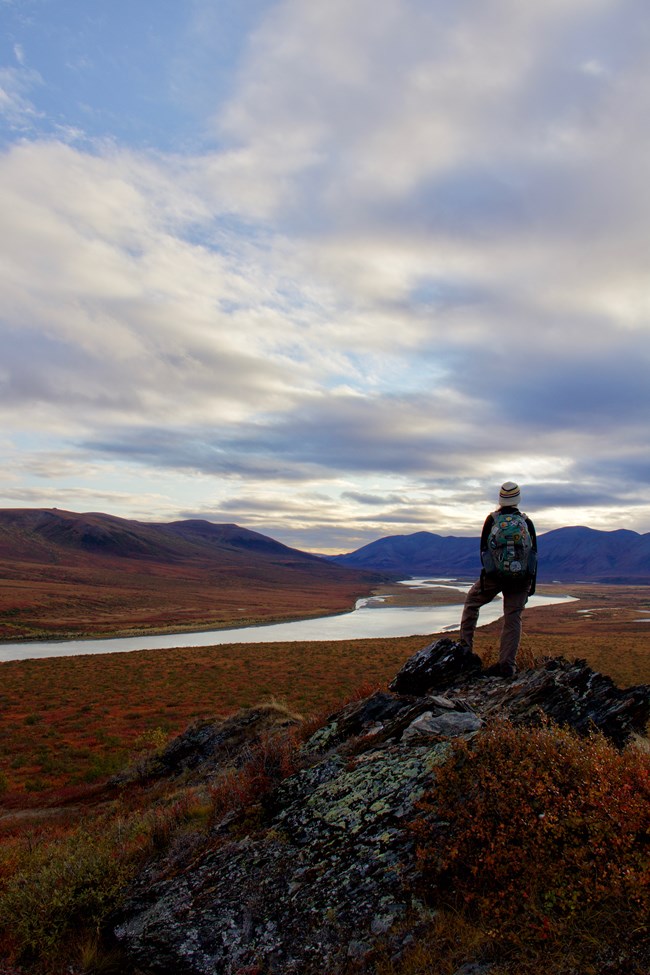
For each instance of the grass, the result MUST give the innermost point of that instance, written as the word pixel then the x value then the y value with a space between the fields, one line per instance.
pixel 126 597
pixel 60 881
pixel 68 723
pixel 93 710
pixel 58 884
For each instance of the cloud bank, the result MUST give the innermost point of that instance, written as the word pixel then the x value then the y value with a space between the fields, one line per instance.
pixel 335 279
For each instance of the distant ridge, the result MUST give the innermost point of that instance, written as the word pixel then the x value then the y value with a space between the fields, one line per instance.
pixel 43 534
pixel 565 554
pixel 67 574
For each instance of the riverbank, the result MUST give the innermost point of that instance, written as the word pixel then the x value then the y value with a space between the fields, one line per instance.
pixel 405 594
pixel 418 606
pixel 99 597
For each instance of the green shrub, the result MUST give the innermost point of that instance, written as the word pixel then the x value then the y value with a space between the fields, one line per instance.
pixel 102 765
pixel 58 892
pixel 58 885
pixel 540 836
pixel 37 784
pixel 152 740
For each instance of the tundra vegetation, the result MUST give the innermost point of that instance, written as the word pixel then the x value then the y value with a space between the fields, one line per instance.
pixel 554 898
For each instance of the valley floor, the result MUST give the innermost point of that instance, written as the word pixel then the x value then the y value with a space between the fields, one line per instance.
pixel 67 723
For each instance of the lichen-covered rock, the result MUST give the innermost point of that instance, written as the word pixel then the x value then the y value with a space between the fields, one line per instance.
pixel 435 667
pixel 326 871
pixel 571 694
pixel 360 717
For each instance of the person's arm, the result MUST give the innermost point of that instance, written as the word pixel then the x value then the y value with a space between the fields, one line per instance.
pixel 487 528
pixel 533 537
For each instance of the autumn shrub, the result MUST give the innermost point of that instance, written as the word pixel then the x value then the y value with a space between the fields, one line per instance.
pixel 440 947
pixel 541 836
pixel 268 761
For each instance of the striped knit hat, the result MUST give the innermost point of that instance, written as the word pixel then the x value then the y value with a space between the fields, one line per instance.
pixel 509 495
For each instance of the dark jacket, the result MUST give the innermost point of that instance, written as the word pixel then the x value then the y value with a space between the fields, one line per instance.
pixel 487 528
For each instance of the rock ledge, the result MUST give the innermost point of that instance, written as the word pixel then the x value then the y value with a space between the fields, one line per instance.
pixel 327 872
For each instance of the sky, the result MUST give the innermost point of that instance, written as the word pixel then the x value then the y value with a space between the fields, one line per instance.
pixel 328 270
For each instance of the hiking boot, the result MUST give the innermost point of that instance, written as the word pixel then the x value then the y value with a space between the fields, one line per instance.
pixel 507 671
pixel 493 671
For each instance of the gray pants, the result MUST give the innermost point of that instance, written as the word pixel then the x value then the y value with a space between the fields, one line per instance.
pixel 513 604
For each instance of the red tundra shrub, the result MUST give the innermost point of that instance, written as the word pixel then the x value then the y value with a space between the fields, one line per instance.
pixel 538 834
pixel 270 760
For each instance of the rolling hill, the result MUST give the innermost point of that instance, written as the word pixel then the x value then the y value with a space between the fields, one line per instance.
pixel 69 574
pixel 41 535
pixel 565 554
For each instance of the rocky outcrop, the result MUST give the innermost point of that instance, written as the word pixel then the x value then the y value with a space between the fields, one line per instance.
pixel 207 747
pixel 571 694
pixel 437 665
pixel 327 869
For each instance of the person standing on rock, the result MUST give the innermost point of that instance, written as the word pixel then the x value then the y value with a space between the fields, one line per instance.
pixel 509 565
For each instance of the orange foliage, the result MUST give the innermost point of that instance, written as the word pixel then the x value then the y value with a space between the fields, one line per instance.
pixel 68 723
pixel 537 832
pixel 270 760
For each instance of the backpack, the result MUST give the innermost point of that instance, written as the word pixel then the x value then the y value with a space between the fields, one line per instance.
pixel 509 554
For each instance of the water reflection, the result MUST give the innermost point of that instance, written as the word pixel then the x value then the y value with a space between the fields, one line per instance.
pixel 370 618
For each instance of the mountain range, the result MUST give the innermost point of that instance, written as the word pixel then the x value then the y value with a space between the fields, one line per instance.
pixel 52 537
pixel 576 554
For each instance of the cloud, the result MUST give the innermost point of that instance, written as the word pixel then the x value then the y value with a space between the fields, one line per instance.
pixel 593 493
pixel 371 500
pixel 120 309
pixel 369 104
pixel 16 108
pixel 324 435
pixel 403 251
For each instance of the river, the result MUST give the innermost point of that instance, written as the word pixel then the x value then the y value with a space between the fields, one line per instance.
pixel 372 617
